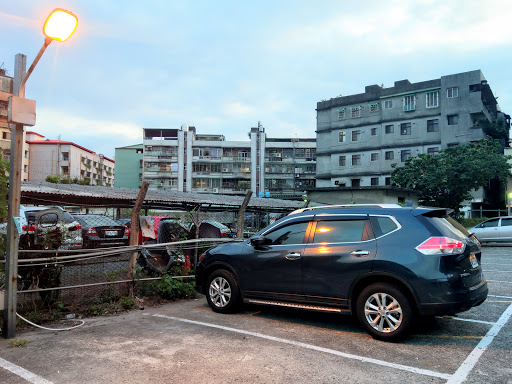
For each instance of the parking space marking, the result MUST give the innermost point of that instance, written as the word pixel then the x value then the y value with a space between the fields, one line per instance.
pixel 468 320
pixel 22 372
pixel 314 348
pixel 461 374
pixel 498 281
pixel 500 297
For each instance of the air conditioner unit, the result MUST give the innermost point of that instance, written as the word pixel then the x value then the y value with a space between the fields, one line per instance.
pixel 225 169
pixel 215 190
pixel 297 175
pixel 278 155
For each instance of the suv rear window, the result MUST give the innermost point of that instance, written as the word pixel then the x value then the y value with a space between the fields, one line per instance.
pixel 448 227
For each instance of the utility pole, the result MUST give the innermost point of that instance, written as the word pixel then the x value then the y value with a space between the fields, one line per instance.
pixel 13 236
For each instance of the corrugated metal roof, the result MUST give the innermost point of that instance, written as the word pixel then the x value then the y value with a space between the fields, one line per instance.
pixel 88 196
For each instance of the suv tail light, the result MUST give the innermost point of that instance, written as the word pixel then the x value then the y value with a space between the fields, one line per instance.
pixel 28 228
pixel 92 232
pixel 441 246
pixel 126 231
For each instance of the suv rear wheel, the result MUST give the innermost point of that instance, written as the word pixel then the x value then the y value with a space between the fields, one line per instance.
pixel 222 292
pixel 385 312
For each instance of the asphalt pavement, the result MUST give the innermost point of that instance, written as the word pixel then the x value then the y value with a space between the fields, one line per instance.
pixel 186 342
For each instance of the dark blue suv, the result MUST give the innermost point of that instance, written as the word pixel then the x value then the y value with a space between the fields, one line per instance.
pixel 386 264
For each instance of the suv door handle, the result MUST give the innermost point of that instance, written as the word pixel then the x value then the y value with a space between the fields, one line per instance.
pixel 360 253
pixel 293 256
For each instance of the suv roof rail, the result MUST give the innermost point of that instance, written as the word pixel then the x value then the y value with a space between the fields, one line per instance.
pixel 347 206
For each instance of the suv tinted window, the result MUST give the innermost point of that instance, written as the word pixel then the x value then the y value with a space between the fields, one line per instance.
pixel 382 225
pixel 339 231
pixel 68 217
pixel 446 228
pixel 289 234
pixel 49 219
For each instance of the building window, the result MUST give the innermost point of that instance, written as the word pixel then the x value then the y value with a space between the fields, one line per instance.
pixel 375 181
pixel 388 181
pixel 453 119
pixel 405 128
pixel 341 114
pixel 390 128
pixel 433 150
pixel 433 125
pixel 342 137
pixel 375 156
pixel 26 154
pixel 356 182
pixel 356 135
pixel 404 155
pixel 64 156
pixel 374 107
pixel 432 99
pixel 409 103
pixel 388 104
pixel 342 161
pixel 140 163
pixel 452 92
pixel 452 144
pixel 25 168
pixel 356 159
pixel 374 131
pixel 389 155
pixel 355 112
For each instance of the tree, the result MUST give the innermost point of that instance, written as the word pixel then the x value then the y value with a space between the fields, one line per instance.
pixel 4 193
pixel 448 178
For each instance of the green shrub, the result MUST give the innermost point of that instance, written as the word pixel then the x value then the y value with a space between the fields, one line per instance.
pixel 127 302
pixel 173 289
pixel 471 222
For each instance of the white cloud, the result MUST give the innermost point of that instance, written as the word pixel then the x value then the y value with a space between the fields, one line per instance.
pixel 237 109
pixel 398 27
pixel 54 122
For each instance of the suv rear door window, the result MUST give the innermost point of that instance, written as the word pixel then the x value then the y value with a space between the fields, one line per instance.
pixel 339 231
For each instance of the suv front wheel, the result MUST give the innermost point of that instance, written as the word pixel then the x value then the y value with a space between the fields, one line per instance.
pixel 385 312
pixel 222 292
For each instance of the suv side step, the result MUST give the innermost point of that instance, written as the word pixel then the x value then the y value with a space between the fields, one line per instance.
pixel 295 305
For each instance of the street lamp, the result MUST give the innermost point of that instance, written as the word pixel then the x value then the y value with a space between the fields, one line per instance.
pixel 59 26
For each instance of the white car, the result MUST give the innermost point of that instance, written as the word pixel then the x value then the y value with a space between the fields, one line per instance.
pixel 497 229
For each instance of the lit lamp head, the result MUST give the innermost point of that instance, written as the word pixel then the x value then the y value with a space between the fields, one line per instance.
pixel 60 25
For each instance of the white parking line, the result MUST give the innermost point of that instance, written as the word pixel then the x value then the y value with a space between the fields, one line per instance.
pixel 468 320
pixel 499 281
pixel 501 297
pixel 22 372
pixel 315 348
pixel 460 375
pixel 486 271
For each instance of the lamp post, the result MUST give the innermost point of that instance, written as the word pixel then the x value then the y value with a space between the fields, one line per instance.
pixel 59 26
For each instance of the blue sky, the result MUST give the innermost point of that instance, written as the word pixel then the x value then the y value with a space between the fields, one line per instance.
pixel 225 65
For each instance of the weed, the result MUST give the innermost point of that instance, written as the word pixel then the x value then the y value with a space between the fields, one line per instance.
pixel 127 302
pixel 34 316
pixel 18 343
pixel 174 289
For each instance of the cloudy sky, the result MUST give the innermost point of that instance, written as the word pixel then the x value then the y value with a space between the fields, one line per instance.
pixel 225 65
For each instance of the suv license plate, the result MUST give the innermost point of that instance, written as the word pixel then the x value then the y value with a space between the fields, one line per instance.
pixel 473 260
pixel 114 233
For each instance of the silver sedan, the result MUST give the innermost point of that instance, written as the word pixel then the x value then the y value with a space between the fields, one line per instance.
pixel 495 229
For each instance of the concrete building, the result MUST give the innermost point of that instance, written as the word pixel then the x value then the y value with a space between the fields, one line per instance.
pixel 6 84
pixel 66 159
pixel 182 160
pixel 129 166
pixel 360 136
pixel 6 89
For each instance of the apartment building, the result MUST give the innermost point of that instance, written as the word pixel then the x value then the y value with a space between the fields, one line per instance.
pixel 360 136
pixel 128 171
pixel 6 90
pixel 183 160
pixel 66 159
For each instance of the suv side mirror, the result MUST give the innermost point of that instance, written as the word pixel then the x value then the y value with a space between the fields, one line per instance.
pixel 260 241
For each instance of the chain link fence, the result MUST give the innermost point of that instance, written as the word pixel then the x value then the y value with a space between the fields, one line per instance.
pixel 82 259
